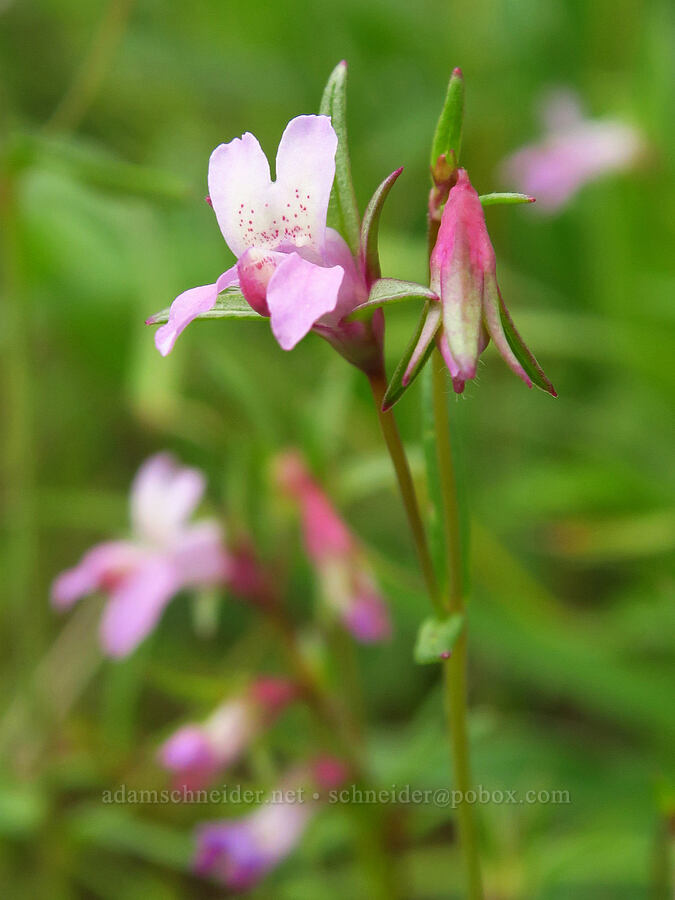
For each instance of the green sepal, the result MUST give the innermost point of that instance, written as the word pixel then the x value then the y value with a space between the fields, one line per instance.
pixel 370 255
pixel 391 290
pixel 522 353
pixel 343 212
pixel 448 136
pixel 436 638
pixel 396 388
pixel 508 199
pixel 230 304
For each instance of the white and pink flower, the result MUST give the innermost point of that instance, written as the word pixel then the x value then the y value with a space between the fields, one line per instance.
pixel 574 151
pixel 197 752
pixel 239 853
pixel 290 266
pixel 165 554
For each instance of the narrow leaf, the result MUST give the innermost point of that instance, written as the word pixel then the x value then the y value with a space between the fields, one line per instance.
pixel 522 353
pixel 229 305
pixel 343 212
pixel 397 387
pixel 448 136
pixel 436 638
pixel 391 290
pixel 508 199
pixel 370 255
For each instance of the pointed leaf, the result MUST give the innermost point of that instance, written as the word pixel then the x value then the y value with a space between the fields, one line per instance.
pixel 427 328
pixel 508 199
pixel 230 304
pixel 391 290
pixel 522 353
pixel 448 136
pixel 343 212
pixel 436 638
pixel 370 256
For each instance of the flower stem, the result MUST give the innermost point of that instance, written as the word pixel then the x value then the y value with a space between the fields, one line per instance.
pixel 454 670
pixel 396 450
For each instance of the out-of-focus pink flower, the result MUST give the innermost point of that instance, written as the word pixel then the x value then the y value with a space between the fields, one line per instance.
pixel 165 554
pixel 573 151
pixel 199 751
pixel 239 853
pixel 346 580
pixel 290 266
pixel 464 275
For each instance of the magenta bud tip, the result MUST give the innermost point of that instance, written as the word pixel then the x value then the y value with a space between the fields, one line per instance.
pixel 445 654
pixel 531 199
pixel 150 321
pixel 343 63
pixel 457 72
pixel 208 200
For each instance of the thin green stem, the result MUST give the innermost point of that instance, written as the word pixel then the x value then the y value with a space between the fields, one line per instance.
pixel 392 439
pixel 454 670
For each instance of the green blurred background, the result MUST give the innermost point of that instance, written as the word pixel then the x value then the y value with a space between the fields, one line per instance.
pixel 108 116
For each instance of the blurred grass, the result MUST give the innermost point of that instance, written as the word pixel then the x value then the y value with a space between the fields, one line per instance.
pixel 572 618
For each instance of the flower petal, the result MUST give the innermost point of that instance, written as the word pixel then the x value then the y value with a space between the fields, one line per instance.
pixel 255 269
pixel 458 382
pixel 102 565
pixel 239 187
pixel 135 606
pixel 199 555
pixel 353 290
pixel 187 306
pixel 367 616
pixel 305 172
pixel 163 496
pixel 299 293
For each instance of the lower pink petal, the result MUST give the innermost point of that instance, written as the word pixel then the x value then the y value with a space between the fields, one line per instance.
pixel 299 293
pixel 187 306
pixel 135 606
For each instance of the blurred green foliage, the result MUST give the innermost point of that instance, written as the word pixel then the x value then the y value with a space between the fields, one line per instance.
pixel 103 222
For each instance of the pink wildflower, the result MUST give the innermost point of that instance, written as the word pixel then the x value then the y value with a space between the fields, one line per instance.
pixel 166 554
pixel 346 579
pixel 290 266
pixel 573 152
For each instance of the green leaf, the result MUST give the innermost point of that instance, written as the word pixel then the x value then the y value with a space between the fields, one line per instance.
pixel 420 348
pixel 448 136
pixel 230 304
pixel 436 638
pixel 391 290
pixel 505 199
pixel 370 227
pixel 522 353
pixel 343 212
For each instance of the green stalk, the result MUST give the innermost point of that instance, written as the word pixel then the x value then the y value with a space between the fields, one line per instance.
pixel 392 439
pixel 454 670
